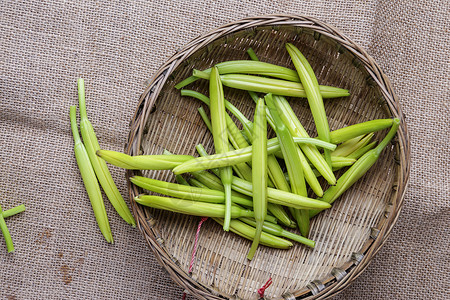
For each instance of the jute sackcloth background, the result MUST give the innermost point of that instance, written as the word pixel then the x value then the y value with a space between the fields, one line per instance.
pixel 116 46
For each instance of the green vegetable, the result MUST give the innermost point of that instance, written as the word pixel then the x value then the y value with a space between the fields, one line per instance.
pixel 220 136
pixel 277 230
pixel 5 232
pixel 143 162
pixel 195 208
pixel 358 169
pixel 246 67
pixel 13 211
pixel 205 118
pixel 238 156
pixel 196 183
pixel 361 151
pixel 313 94
pixel 180 179
pixel 297 130
pixel 270 85
pixel 259 172
pixel 89 179
pixel 241 169
pixel 350 146
pixel 248 232
pixel 352 131
pixel 307 170
pixel 190 207
pixel 247 124
pixel 186 192
pixel 293 164
pixel 99 165
pixel 252 54
pixel 274 209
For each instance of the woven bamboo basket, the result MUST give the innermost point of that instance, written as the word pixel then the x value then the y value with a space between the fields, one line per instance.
pixel 348 235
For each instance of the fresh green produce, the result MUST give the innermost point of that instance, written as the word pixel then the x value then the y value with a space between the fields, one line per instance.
pixel 143 162
pixel 259 172
pixel 275 209
pixel 352 131
pixel 246 123
pixel 248 232
pixel 313 94
pixel 251 53
pixel 238 156
pixel 312 153
pixel 220 136
pixel 186 192
pixel 361 151
pixel 270 85
pixel 358 169
pixel 210 187
pixel 195 208
pixel 350 146
pixel 277 230
pixel 5 232
pixel 247 67
pixel 99 165
pixel 89 179
pixel 293 164
pixel 13 211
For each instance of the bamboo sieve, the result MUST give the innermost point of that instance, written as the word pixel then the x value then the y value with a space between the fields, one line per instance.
pixel 348 235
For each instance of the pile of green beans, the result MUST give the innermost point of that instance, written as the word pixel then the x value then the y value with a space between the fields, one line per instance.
pixel 253 185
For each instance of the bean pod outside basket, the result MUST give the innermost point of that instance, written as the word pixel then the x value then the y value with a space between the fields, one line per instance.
pixel 347 236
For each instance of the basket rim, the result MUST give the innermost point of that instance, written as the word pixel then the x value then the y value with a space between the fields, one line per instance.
pixel 340 277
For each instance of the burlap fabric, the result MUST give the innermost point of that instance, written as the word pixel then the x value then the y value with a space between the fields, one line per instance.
pixel 116 46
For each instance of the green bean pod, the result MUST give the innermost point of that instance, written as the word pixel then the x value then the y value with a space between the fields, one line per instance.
pixel 277 230
pixel 243 187
pixel 259 172
pixel 195 208
pixel 100 168
pixel 186 192
pixel 273 86
pixel 220 136
pixel 350 146
pixel 313 94
pixel 13 211
pixel 211 181
pixel 90 180
pixel 358 169
pixel 5 232
pixel 197 183
pixel 143 162
pixel 275 209
pixel 246 67
pixel 252 54
pixel 239 156
pixel 344 134
pixel 361 151
pixel 241 169
pixel 297 130
pixel 293 163
pixel 248 232
pixel 180 179
pixel 246 123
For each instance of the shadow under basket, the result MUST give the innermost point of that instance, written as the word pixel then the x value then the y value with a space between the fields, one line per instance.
pixel 347 236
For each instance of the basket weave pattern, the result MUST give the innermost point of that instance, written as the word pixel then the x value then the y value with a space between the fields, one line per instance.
pixel 347 236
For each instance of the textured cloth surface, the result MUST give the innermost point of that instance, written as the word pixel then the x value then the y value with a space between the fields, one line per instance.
pixel 116 46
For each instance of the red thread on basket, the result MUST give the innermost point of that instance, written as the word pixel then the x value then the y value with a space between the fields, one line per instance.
pixel 264 287
pixel 194 251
